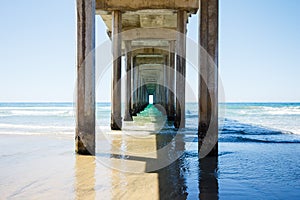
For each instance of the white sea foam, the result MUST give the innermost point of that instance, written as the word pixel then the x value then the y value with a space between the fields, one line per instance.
pixel 104 108
pixel 16 132
pixel 37 108
pixel 29 129
pixel 25 126
pixel 23 129
pixel 282 110
pixel 36 112
pixel 294 130
pixel 283 118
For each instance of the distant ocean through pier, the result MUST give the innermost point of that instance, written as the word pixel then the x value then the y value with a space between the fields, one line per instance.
pixel 259 144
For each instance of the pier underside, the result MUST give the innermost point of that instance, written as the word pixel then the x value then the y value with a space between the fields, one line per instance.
pixel 151 36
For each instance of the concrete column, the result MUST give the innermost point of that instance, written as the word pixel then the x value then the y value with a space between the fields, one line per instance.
pixel 128 59
pixel 116 120
pixel 85 110
pixel 140 92
pixel 138 89
pixel 171 81
pixel 161 88
pixel 157 96
pixel 161 95
pixel 180 69
pixel 134 88
pixel 167 71
pixel 145 96
pixel 131 84
pixel 165 83
pixel 136 83
pixel 208 80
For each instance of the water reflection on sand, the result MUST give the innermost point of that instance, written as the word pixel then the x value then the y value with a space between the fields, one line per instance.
pixel 130 167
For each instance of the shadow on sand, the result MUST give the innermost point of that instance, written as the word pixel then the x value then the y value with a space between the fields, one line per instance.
pixel 175 173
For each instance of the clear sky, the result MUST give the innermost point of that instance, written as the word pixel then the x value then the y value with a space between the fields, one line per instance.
pixel 259 50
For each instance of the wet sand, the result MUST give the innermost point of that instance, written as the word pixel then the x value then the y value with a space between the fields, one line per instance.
pixel 45 167
pixel 137 163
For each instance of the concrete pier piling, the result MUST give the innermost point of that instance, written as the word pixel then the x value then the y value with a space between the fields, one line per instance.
pixel 116 119
pixel 85 102
pixel 180 69
pixel 128 98
pixel 208 76
pixel 171 81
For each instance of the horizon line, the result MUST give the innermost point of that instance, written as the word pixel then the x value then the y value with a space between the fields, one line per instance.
pixel 123 102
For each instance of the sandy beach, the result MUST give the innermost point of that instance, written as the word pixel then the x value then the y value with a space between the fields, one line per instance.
pixel 46 167
pixel 147 160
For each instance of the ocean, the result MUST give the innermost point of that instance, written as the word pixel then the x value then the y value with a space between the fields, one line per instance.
pixel 259 145
pixel 270 122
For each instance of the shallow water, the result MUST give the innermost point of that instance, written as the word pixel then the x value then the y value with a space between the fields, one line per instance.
pixel 46 168
pixel 255 161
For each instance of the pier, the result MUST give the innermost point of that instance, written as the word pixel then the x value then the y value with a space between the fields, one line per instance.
pixel 151 35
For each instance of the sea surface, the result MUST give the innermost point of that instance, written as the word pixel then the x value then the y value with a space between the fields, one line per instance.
pixel 259 146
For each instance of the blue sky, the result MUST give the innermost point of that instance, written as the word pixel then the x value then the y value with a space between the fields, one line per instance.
pixel 259 50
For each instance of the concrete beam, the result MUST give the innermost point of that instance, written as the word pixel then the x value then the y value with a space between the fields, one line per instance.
pixel 130 5
pixel 150 51
pixel 150 43
pixel 149 60
pixel 158 20
pixel 149 33
pixel 85 102
pixel 137 19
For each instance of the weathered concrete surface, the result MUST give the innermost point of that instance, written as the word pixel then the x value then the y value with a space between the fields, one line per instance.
pixel 150 51
pixel 166 76
pixel 208 84
pixel 149 33
pixel 85 110
pixel 128 58
pixel 152 25
pixel 134 87
pixel 125 5
pixel 143 19
pixel 116 119
pixel 156 59
pixel 151 74
pixel 142 24
pixel 180 69
pixel 171 82
pixel 151 29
